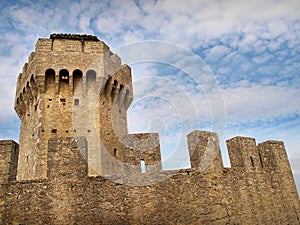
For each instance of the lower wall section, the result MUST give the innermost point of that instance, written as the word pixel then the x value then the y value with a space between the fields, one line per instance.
pixel 188 196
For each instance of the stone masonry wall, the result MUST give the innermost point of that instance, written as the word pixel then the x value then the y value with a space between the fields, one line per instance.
pixel 188 196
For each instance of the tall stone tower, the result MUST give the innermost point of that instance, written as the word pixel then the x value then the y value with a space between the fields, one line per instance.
pixel 72 85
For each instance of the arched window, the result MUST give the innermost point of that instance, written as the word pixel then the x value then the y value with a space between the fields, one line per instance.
pixel 32 79
pixel 121 87
pixel 107 83
pixel 77 75
pixel 115 82
pixel 63 81
pixel 90 78
pixel 91 75
pixel 64 76
pixel 49 78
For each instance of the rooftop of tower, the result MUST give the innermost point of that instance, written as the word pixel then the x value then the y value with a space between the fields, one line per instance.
pixel 83 37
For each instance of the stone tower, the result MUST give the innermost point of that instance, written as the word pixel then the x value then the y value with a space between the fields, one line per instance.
pixel 72 85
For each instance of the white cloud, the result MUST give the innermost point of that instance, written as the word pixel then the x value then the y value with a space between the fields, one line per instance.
pixel 84 24
pixel 218 52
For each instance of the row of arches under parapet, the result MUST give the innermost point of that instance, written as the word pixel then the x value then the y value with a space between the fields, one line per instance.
pixel 112 88
pixel 69 81
pixel 117 92
pixel 27 97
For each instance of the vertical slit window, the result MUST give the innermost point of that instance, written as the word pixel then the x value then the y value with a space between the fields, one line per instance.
pixel 252 162
pixel 143 166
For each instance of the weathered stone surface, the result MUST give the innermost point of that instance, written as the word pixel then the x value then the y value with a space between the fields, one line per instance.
pixel 76 163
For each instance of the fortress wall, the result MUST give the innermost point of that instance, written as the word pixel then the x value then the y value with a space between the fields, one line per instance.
pixel 184 198
pixel 27 202
pixel 68 196
pixel 190 196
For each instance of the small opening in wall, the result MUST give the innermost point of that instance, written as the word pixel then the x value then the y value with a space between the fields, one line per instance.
pixel 54 131
pixel 89 131
pixel 115 152
pixel 28 114
pixel 48 106
pixel 43 130
pixel 74 131
pixel 76 101
pixel 261 161
pixel 35 107
pixel 67 131
pixel 50 99
pixel 62 100
pixel 252 162
pixel 115 82
pixel 143 166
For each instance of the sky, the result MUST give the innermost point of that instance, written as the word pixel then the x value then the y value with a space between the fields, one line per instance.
pixel 229 66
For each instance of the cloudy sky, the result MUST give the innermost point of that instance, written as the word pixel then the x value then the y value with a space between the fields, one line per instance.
pixel 240 75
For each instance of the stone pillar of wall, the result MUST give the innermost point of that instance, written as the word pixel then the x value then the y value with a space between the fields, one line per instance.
pixel 204 151
pixel 9 151
pixel 142 158
pixel 275 162
pixel 243 153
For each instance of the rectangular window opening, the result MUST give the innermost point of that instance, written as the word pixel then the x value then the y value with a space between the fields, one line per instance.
pixel 143 166
pixel 76 101
pixel 115 152
pixel 54 131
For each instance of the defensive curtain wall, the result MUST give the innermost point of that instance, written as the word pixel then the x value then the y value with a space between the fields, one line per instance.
pixel 67 170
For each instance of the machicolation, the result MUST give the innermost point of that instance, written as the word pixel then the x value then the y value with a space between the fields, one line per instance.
pixel 77 164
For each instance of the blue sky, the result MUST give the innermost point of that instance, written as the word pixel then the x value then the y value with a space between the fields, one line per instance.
pixel 250 51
